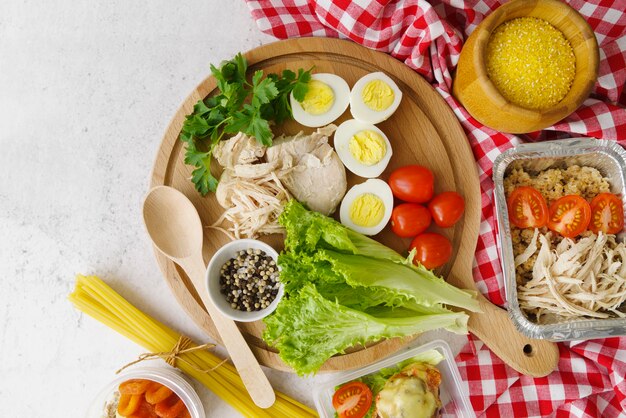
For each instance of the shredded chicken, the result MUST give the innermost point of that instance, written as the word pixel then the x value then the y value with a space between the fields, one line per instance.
pixel 254 189
pixel 584 278
pixel 253 204
pixel 249 190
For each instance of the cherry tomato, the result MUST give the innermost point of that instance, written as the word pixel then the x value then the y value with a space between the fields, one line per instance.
pixel 447 208
pixel 433 250
pixel 412 183
pixel 134 386
pixel 352 400
pixel 409 219
pixel 607 214
pixel 527 208
pixel 569 216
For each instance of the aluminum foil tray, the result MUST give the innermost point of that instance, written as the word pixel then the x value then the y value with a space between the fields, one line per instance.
pixel 606 156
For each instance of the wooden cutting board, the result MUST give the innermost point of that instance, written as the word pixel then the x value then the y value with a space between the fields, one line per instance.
pixel 423 131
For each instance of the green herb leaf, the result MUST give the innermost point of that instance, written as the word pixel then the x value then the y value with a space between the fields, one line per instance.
pixel 240 106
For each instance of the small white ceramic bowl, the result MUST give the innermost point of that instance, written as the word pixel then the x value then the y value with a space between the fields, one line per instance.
pixel 224 254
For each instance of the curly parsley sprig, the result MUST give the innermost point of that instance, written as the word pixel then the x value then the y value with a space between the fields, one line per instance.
pixel 241 106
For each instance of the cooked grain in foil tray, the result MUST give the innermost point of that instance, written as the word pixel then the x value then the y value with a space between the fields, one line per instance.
pixel 560 288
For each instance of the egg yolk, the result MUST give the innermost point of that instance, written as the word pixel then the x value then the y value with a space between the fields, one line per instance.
pixel 367 147
pixel 367 210
pixel 319 98
pixel 377 95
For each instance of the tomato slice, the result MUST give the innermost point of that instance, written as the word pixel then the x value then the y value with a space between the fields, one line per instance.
pixel 527 208
pixel 607 214
pixel 352 400
pixel 569 216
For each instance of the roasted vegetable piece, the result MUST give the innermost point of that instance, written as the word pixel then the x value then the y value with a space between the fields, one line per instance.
pixel 157 392
pixel 171 407
pixel 145 410
pixel 134 386
pixel 128 404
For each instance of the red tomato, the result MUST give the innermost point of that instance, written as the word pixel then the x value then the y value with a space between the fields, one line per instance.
pixel 409 219
pixel 607 214
pixel 447 208
pixel 527 208
pixel 569 216
pixel 433 250
pixel 352 400
pixel 412 183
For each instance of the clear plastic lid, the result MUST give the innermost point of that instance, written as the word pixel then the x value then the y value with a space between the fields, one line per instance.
pixel 169 377
pixel 454 399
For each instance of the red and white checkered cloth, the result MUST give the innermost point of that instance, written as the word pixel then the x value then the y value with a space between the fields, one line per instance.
pixel 428 37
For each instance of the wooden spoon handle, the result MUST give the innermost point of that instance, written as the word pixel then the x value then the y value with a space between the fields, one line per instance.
pixel 528 356
pixel 247 365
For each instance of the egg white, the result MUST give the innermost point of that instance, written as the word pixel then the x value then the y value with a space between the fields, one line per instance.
pixel 376 187
pixel 360 110
pixel 344 133
pixel 341 91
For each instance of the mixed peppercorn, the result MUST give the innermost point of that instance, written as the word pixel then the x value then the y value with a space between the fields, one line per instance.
pixel 249 281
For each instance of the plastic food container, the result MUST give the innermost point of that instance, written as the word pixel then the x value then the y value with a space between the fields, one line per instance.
pixel 166 376
pixel 606 156
pixel 454 399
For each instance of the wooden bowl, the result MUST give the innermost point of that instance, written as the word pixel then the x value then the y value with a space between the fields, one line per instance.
pixel 473 88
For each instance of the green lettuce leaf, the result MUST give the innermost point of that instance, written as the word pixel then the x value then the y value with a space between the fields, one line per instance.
pixel 426 289
pixel 308 329
pixel 308 231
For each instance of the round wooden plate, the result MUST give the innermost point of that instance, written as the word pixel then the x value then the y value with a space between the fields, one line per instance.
pixel 422 131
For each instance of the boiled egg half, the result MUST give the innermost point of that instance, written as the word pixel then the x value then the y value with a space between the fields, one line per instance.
pixel 363 148
pixel 366 208
pixel 374 98
pixel 327 97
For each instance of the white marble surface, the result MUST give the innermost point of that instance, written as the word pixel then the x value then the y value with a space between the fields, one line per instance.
pixel 86 91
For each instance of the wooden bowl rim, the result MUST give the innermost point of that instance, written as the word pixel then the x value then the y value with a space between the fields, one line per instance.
pixel 491 22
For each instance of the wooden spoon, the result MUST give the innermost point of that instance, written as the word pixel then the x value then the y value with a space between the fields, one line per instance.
pixel 176 230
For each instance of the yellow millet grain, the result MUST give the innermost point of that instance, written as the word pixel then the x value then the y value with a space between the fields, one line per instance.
pixel 530 62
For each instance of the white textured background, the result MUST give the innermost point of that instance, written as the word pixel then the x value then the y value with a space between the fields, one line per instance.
pixel 86 92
